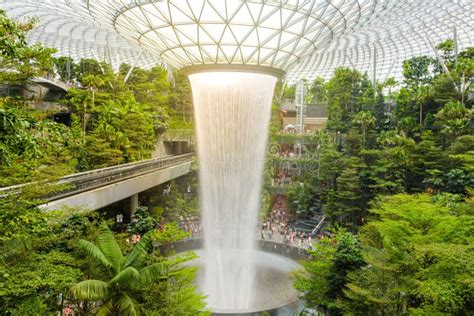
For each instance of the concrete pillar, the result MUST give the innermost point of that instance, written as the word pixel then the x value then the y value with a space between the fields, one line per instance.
pixel 180 148
pixel 133 203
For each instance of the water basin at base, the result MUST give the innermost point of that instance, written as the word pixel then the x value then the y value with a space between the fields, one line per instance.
pixel 273 286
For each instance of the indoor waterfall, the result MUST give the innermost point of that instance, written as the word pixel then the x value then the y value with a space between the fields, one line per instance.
pixel 232 116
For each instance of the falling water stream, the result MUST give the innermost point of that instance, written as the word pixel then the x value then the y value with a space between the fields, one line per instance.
pixel 232 116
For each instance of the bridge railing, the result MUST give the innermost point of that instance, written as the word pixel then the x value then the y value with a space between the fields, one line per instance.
pixel 89 180
pixel 179 135
pixel 51 82
pixel 318 227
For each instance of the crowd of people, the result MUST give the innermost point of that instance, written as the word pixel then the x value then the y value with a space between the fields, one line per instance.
pixel 286 154
pixel 276 228
pixel 285 234
pixel 191 225
pixel 283 178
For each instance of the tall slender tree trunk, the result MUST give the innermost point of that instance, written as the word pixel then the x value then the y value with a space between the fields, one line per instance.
pixel 363 138
pixel 84 123
pixel 421 114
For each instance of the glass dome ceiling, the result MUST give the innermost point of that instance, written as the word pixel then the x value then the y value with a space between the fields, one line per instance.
pixel 306 38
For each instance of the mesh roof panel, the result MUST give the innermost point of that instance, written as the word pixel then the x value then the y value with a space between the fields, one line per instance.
pixel 306 38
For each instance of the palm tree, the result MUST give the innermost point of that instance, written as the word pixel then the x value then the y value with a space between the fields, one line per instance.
pixel 123 276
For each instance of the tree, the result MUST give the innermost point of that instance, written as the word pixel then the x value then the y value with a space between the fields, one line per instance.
pixel 177 296
pixel 100 152
pixel 381 113
pixel 181 97
pixel 39 263
pixel 346 198
pixel 335 116
pixel 324 276
pixel 153 90
pixel 419 258
pixel 116 123
pixel 418 72
pixel 347 257
pixel 364 119
pixel 454 119
pixel 142 221
pixel 88 67
pixel 33 147
pixel 443 89
pixel 461 153
pixel 36 276
pixel 317 90
pixel 122 276
pixel 343 91
pixel 313 279
pixel 465 69
pixel 390 164
pixel 390 83
pixel 447 47
pixel 300 196
pixel 66 68
pixel 19 62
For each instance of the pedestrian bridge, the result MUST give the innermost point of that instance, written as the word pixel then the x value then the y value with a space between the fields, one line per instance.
pixel 96 189
pixel 51 84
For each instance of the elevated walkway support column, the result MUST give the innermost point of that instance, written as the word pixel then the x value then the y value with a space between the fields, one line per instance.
pixel 133 204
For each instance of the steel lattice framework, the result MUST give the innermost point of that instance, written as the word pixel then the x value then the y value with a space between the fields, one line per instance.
pixel 306 38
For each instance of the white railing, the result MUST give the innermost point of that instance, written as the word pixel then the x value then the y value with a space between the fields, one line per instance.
pixel 318 227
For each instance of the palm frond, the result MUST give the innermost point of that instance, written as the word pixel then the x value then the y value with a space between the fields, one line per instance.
pixel 126 306
pixel 108 245
pixel 94 252
pixel 137 257
pixel 105 309
pixel 92 290
pixel 152 273
pixel 128 276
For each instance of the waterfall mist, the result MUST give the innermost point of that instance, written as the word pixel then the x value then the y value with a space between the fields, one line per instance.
pixel 232 112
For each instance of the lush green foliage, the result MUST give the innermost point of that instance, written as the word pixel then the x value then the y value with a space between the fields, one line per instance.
pixel 383 146
pixel 324 276
pixel 30 144
pixel 142 221
pixel 32 147
pixel 20 62
pixel 416 139
pixel 40 262
pixel 113 121
pixel 129 284
pixel 416 257
pixel 419 252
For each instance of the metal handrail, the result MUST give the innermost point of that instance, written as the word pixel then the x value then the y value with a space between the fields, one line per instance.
pixel 90 180
pixel 93 179
pixel 179 135
pixel 321 222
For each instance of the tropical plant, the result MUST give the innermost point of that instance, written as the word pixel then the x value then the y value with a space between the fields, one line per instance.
pixel 21 62
pixel 324 276
pixel 121 276
pixel 142 221
pixel 454 119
